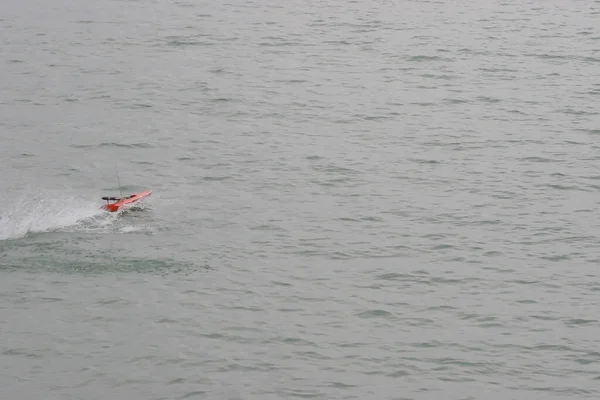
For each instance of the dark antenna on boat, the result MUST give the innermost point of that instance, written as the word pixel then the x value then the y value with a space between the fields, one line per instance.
pixel 118 181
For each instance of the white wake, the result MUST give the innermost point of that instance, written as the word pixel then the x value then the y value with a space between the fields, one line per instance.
pixel 49 212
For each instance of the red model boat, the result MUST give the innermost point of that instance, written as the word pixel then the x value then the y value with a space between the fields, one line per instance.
pixel 124 202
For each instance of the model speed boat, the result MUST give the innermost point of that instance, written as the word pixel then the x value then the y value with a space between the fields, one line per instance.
pixel 114 204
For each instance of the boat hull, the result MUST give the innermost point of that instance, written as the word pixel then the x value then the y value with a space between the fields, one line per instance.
pixel 126 202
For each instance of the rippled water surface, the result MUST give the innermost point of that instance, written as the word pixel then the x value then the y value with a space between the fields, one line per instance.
pixel 351 199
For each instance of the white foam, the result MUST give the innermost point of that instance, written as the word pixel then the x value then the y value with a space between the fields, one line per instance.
pixel 48 212
pixel 132 229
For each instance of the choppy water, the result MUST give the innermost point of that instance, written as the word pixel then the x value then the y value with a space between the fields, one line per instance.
pixel 352 199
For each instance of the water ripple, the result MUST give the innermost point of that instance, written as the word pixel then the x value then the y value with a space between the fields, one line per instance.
pixel 346 194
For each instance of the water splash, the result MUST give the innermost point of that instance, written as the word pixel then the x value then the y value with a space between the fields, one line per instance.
pixel 49 212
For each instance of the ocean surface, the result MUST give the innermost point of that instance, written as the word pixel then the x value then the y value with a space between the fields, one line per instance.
pixel 351 199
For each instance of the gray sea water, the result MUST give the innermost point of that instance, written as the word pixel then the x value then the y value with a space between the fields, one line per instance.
pixel 351 199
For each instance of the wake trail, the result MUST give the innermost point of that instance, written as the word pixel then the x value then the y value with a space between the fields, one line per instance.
pixel 46 213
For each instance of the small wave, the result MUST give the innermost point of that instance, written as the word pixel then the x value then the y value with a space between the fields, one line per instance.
pixel 140 105
pixel 374 314
pixel 132 145
pixel 188 42
pixel 538 159
pixel 112 144
pixel 455 101
pixel 424 161
pixel 427 58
